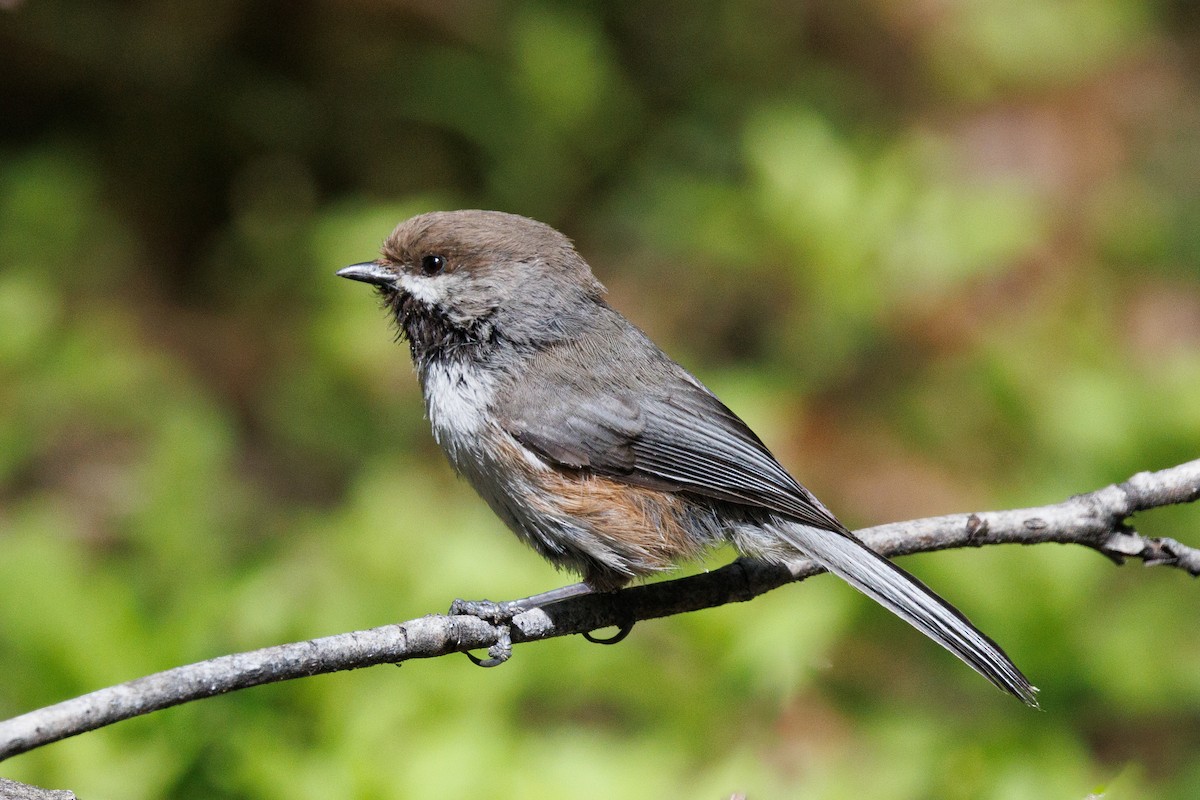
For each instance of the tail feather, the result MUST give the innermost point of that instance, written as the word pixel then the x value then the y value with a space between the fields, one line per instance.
pixel 908 598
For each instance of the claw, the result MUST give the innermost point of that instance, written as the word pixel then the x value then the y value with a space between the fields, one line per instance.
pixel 498 653
pixel 619 636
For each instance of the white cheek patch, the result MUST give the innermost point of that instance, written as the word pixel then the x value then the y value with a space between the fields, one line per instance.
pixel 428 290
pixel 445 293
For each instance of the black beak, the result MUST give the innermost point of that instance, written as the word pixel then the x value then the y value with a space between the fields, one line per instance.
pixel 369 272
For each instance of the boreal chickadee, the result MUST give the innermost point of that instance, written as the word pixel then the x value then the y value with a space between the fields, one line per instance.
pixel 600 452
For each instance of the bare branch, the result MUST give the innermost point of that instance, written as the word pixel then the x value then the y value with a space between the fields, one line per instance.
pixel 1097 520
pixel 11 790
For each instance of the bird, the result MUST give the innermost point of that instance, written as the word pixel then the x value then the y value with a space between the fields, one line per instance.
pixel 597 449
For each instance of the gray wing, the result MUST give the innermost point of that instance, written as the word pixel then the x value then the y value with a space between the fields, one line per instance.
pixel 649 422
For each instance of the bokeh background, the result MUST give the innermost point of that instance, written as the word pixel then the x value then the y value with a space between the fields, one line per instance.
pixel 943 255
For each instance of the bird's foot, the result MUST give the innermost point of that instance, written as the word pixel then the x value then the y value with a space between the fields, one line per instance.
pixel 498 653
pixel 501 615
pixel 497 614
pixel 489 610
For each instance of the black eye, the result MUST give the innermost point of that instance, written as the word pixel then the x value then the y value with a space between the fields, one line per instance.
pixel 432 265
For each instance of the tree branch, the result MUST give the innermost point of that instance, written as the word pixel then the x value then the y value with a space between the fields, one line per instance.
pixel 1097 520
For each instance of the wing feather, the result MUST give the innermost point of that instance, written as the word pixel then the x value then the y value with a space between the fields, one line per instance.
pixel 654 425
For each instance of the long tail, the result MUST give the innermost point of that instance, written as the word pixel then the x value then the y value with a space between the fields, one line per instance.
pixel 908 598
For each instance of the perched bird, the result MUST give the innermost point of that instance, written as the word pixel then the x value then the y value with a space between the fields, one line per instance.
pixel 600 452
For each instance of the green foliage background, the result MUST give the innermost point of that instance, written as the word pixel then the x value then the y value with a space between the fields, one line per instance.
pixel 943 256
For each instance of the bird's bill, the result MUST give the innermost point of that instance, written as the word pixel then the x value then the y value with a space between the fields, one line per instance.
pixel 368 272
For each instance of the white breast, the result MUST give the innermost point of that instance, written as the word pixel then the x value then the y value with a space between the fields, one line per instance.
pixel 458 399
